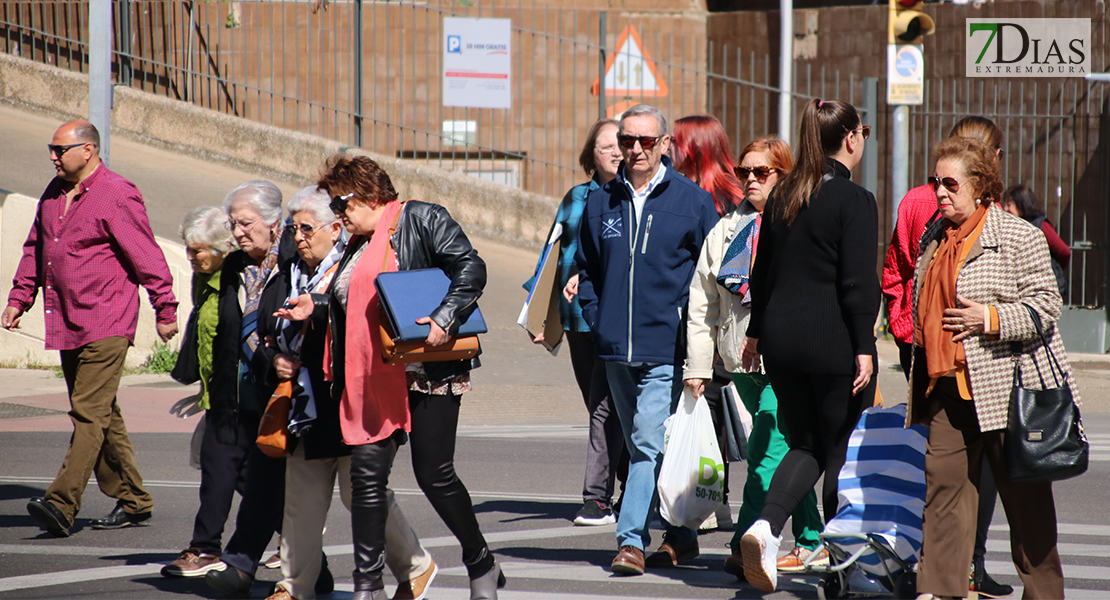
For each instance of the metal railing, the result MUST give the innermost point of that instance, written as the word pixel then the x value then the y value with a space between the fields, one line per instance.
pixel 378 86
pixel 369 74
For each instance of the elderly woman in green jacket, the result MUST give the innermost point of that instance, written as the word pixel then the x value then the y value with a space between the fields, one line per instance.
pixel 207 243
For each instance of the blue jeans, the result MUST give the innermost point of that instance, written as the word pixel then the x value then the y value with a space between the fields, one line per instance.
pixel 644 397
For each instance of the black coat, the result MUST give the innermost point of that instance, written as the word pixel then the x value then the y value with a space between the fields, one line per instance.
pixel 224 390
pixel 426 237
pixel 815 291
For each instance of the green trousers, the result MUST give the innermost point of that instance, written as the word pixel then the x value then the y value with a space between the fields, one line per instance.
pixel 766 448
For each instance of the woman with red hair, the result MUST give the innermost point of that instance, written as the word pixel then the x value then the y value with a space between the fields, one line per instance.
pixel 700 152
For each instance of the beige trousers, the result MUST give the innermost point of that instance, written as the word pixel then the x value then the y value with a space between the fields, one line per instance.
pixel 309 485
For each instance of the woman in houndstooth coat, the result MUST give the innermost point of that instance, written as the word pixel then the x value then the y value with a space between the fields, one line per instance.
pixel 977 266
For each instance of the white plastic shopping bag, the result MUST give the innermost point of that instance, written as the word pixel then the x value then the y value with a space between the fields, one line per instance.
pixel 691 480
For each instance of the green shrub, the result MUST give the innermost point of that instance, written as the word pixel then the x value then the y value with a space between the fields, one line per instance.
pixel 161 360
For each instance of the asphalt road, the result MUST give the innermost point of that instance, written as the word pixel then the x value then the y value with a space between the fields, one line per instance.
pixel 520 452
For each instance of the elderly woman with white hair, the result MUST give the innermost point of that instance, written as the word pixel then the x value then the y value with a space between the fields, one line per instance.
pixel 207 244
pixel 238 396
pixel 317 454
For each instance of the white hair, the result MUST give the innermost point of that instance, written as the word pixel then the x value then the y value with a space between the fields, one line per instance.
pixel 646 109
pixel 261 195
pixel 207 225
pixel 315 202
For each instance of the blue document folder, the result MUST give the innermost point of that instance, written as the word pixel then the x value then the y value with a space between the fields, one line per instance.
pixel 409 295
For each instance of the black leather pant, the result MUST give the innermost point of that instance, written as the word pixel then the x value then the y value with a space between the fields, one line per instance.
pixel 434 422
pixel 370 466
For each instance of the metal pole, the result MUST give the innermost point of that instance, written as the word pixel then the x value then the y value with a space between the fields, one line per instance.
pixel 357 96
pixel 900 157
pixel 603 24
pixel 870 117
pixel 786 66
pixel 125 41
pixel 100 72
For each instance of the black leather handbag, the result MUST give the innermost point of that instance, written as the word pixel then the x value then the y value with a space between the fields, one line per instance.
pixel 1044 440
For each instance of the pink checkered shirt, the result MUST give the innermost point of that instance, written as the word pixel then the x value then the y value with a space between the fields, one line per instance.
pixel 90 262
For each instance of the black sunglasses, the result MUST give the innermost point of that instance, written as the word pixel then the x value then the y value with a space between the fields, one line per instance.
pixel 761 173
pixel 339 204
pixel 647 142
pixel 949 184
pixel 59 150
pixel 304 228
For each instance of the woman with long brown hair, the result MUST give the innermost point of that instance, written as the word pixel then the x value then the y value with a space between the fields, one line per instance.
pixel 815 298
pixel 720 304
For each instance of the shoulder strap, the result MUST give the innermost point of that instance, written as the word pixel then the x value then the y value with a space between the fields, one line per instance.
pixel 393 230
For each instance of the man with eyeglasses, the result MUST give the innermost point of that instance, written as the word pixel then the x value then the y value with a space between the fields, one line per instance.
pixel 88 249
pixel 640 238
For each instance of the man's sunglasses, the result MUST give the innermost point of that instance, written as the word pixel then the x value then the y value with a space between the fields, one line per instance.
pixel 647 142
pixel 949 184
pixel 58 150
pixel 339 204
pixel 761 173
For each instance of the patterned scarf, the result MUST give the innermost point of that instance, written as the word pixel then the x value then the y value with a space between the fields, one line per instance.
pixel 736 267
pixel 302 413
pixel 254 281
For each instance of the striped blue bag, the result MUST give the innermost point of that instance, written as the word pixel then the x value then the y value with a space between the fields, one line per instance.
pixel 882 488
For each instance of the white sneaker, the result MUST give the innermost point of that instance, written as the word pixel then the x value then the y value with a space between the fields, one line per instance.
pixel 760 550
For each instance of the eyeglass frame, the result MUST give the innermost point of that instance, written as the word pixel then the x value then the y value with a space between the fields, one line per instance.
pixel 736 170
pixel 622 139
pixel 934 182
pixel 231 224
pixel 60 149
pixel 865 131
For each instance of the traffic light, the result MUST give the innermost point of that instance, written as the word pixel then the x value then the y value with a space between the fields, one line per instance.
pixel 908 24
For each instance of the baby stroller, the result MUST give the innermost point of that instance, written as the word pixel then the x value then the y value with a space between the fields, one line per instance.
pixel 877 527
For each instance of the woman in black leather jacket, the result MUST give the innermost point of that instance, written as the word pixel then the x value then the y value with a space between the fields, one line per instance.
pixel 380 402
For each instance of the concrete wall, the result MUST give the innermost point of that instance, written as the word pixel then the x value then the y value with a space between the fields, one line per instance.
pixel 26 346
pixel 504 214
pixel 486 209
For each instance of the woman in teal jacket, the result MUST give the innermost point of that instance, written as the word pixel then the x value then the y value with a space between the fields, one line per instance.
pixel 600 159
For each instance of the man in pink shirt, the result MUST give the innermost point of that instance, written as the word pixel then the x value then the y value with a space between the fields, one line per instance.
pixel 89 249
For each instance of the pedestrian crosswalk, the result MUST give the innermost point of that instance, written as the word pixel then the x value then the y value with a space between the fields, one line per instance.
pixel 1084 550
pixel 1100 446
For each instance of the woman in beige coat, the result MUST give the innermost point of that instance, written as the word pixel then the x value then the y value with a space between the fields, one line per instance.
pixel 978 269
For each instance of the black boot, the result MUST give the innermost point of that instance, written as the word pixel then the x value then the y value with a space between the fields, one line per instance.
pixel 325 582
pixel 370 466
pixel 982 582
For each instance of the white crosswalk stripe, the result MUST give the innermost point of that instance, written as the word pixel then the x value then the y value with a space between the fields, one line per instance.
pixel 1081 547
pixel 1100 446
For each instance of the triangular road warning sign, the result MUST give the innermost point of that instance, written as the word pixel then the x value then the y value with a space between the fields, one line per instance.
pixel 629 71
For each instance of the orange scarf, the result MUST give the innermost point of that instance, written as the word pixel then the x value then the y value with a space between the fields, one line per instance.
pixel 375 395
pixel 938 293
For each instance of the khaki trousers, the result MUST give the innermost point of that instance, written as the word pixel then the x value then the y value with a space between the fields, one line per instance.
pixel 100 442
pixel 309 486
pixel 953 461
